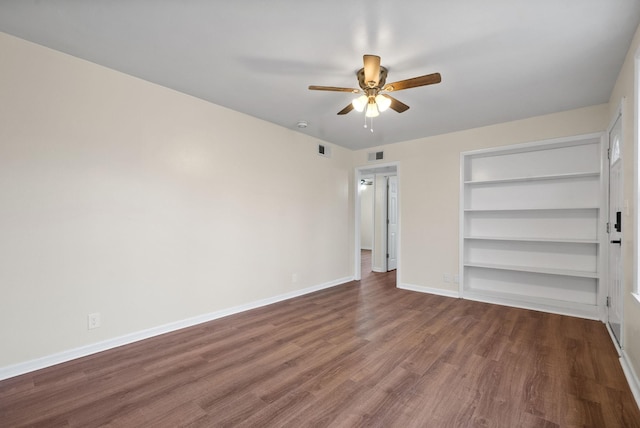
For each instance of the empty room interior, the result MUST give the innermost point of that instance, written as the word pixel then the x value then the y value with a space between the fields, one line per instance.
pixel 415 214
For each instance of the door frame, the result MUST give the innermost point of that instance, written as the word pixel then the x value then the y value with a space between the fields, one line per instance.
pixel 380 168
pixel 604 280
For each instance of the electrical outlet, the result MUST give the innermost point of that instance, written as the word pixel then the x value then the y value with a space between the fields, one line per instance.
pixel 446 277
pixel 93 321
pixel 294 278
pixel 456 279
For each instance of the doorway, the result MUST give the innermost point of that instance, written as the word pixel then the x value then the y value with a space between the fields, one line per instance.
pixel 381 183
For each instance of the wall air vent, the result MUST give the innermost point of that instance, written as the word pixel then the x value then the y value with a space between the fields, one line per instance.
pixel 324 151
pixel 374 156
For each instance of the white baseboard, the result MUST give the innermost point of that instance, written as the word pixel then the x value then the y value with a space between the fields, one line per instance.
pixel 632 377
pixel 83 351
pixel 613 339
pixel 429 290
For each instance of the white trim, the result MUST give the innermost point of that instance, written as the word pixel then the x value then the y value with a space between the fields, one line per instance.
pixel 632 376
pixel 461 227
pixel 636 179
pixel 83 351
pixel 429 290
pixel 357 238
pixel 603 236
pixel 613 338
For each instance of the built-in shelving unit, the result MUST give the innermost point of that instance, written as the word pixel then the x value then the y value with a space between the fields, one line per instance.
pixel 530 225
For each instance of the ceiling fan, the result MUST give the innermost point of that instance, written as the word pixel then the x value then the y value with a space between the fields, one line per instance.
pixel 372 80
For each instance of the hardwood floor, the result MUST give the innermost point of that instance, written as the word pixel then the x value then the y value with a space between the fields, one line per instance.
pixel 360 354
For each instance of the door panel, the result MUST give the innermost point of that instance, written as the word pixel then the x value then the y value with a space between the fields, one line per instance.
pixel 615 276
pixel 392 225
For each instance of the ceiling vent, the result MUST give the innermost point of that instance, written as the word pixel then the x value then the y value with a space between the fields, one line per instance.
pixel 375 156
pixel 324 151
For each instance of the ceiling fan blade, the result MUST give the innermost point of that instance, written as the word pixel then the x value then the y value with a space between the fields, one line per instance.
pixel 333 88
pixel 346 110
pixel 371 69
pixel 428 79
pixel 396 105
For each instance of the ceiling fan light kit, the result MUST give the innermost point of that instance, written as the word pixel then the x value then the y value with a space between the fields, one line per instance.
pixel 372 81
pixel 383 102
pixel 360 103
pixel 372 110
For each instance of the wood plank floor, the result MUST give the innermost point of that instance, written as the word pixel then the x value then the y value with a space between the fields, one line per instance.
pixel 360 354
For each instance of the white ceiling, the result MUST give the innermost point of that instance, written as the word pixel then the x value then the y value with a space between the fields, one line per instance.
pixel 500 60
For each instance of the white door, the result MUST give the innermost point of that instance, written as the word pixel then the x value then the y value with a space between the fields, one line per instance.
pixel 616 212
pixel 392 222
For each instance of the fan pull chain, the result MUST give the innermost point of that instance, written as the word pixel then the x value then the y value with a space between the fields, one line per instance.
pixel 370 124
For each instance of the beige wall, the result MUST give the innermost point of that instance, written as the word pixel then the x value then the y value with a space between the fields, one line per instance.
pixel 430 187
pixel 149 206
pixel 624 95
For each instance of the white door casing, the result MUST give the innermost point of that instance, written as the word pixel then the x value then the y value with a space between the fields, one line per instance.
pixel 615 227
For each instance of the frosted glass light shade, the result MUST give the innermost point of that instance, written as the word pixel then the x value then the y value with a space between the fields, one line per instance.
pixel 372 110
pixel 360 103
pixel 383 102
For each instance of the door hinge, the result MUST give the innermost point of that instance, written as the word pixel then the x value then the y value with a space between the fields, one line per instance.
pixel 387 255
pixel 608 227
pixel 608 302
pixel 608 153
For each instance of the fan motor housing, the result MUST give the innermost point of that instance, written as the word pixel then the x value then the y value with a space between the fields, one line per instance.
pixel 381 81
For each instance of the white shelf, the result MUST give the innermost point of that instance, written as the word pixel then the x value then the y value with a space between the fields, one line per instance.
pixel 529 209
pixel 562 307
pixel 528 239
pixel 532 269
pixel 536 178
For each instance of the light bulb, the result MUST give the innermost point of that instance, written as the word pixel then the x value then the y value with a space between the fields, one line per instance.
pixel 360 103
pixel 383 102
pixel 372 110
